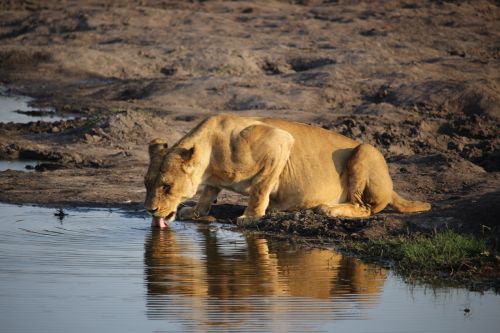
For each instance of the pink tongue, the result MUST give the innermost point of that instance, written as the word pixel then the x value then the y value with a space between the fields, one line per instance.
pixel 159 222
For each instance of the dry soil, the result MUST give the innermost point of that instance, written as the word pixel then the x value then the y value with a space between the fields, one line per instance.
pixel 418 79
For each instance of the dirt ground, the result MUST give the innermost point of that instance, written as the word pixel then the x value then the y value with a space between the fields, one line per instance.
pixel 418 79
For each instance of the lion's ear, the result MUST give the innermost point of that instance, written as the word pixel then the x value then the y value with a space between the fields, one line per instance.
pixel 188 162
pixel 187 154
pixel 157 147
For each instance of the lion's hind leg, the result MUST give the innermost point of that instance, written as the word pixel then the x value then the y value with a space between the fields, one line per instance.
pixel 369 188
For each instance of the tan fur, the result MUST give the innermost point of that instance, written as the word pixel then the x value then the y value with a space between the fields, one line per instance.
pixel 278 164
pixel 185 264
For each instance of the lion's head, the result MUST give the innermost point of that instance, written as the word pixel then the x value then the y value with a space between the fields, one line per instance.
pixel 168 180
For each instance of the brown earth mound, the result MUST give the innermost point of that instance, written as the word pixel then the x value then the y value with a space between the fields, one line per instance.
pixel 420 80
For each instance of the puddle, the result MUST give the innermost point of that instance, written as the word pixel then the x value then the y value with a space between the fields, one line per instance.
pixel 29 165
pixel 97 270
pixel 19 165
pixel 17 109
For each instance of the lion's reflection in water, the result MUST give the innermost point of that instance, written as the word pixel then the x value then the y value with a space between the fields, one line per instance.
pixel 204 276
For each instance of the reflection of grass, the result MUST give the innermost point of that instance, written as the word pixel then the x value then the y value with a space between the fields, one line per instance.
pixel 432 256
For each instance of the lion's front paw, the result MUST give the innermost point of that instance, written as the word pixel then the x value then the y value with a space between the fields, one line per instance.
pixel 186 213
pixel 244 220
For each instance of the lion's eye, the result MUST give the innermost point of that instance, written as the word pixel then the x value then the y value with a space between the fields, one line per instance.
pixel 166 188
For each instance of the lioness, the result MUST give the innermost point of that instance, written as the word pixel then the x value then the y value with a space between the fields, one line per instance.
pixel 279 164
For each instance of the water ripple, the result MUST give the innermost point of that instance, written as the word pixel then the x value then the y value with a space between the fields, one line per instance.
pixel 98 271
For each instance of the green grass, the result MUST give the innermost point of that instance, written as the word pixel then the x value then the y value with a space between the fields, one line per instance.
pixel 444 253
pixel 445 250
pixel 118 110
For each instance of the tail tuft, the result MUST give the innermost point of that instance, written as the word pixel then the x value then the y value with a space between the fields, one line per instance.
pixel 406 206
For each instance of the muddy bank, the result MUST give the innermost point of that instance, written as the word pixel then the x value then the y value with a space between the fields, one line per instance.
pixel 418 80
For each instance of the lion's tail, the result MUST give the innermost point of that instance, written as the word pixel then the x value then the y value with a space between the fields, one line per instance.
pixel 406 206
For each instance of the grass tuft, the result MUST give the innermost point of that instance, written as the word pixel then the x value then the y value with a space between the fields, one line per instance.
pixel 446 250
pixel 431 255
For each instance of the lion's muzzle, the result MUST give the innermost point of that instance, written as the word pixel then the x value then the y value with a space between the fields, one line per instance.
pixel 161 222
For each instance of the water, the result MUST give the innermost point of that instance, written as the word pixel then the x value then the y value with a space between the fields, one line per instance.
pixel 9 105
pixel 100 271
pixel 19 165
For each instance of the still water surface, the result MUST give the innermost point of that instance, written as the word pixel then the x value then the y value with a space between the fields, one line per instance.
pixel 13 106
pixel 101 271
pixel 19 165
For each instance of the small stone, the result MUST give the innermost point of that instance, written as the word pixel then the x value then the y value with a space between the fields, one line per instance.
pixel 55 129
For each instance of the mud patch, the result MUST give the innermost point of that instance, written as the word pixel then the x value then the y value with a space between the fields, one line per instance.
pixel 245 102
pixel 326 14
pixel 38 127
pixel 14 151
pixel 61 25
pixel 294 64
pixel 131 126
pixel 473 137
pixel 22 59
pixel 310 224
pixel 275 66
pixel 405 138
pixel 313 79
pixel 373 33
pixel 186 118
pixel 47 160
pixel 301 64
pixel 455 97
pixel 131 91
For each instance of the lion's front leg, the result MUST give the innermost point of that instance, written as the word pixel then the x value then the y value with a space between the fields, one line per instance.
pixel 257 205
pixel 268 148
pixel 202 208
pixel 260 192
